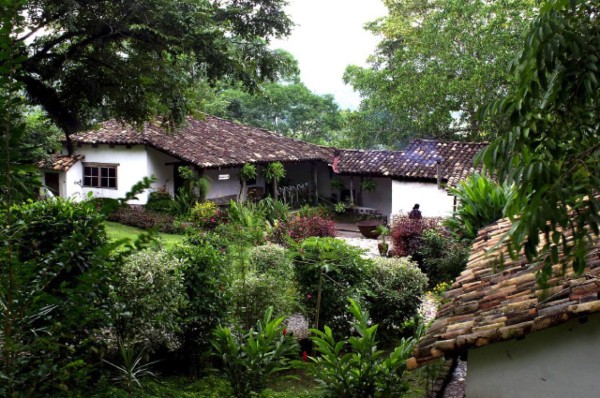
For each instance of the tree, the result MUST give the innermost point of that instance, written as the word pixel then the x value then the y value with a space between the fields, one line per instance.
pixel 288 108
pixel 132 60
pixel 551 149
pixel 437 62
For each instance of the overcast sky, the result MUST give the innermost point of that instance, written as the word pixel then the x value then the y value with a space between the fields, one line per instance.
pixel 328 36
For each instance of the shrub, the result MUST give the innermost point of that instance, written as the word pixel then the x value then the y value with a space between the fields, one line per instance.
pixel 143 219
pixel 106 206
pixel 298 228
pixel 250 358
pixel 406 234
pixel 335 268
pixel 255 292
pixel 310 211
pixel 272 209
pixel 54 280
pixel 355 368
pixel 481 202
pixel 441 256
pixel 206 215
pixel 206 282
pixel 147 299
pixel 271 258
pixel 396 286
pixel 160 202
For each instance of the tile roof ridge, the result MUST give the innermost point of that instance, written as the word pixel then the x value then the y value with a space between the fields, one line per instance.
pixel 449 141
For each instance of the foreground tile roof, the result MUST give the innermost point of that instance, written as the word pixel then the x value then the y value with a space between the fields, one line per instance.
pixel 212 142
pixel 416 162
pixel 59 162
pixel 492 302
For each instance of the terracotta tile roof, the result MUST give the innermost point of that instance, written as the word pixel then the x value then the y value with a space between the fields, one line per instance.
pixel 492 302
pixel 416 162
pixel 59 162
pixel 212 142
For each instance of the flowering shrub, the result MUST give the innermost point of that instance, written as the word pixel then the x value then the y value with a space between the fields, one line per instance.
pixel 299 228
pixel 396 286
pixel 206 215
pixel 406 234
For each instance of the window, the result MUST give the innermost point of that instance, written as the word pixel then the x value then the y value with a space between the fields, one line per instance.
pixel 100 175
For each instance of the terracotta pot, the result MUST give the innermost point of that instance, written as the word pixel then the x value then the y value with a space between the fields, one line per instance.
pixel 368 228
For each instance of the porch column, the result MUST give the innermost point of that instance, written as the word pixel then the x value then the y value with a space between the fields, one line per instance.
pixel 315 183
pixel 352 190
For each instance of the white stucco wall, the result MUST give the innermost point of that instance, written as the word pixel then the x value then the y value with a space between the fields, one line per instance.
pixel 220 188
pixel 158 167
pixel 132 166
pixel 433 202
pixel 72 182
pixel 379 199
pixel 559 362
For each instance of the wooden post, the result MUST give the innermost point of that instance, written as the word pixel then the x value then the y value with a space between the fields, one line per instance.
pixel 315 183
pixel 351 190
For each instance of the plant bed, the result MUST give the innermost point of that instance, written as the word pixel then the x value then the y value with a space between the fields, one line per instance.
pixel 368 228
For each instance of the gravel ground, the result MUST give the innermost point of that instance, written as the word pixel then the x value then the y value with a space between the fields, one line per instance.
pixel 369 245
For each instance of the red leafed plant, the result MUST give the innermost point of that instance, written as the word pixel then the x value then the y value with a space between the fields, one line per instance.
pixel 298 228
pixel 406 234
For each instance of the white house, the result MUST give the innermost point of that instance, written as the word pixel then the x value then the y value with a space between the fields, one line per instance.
pixel 400 179
pixel 520 340
pixel 108 160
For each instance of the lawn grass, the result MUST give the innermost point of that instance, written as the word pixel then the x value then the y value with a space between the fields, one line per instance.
pixel 116 231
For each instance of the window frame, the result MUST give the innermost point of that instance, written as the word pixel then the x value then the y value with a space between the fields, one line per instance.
pixel 99 177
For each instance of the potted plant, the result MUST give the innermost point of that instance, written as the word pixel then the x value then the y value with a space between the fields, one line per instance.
pixel 383 246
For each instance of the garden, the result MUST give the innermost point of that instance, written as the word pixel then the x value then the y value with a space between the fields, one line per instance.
pixel 186 298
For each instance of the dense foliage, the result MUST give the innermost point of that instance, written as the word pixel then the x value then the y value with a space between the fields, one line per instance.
pixel 147 298
pixel 250 358
pixel 159 202
pixel 354 367
pixel 205 279
pixel 481 201
pixel 437 64
pixel 143 219
pixel 406 233
pixel 136 59
pixel 551 149
pixel 329 272
pixel 441 256
pixel 288 108
pixel 55 276
pixel 395 290
pixel 297 228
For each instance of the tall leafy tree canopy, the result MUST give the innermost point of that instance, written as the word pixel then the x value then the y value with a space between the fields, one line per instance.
pixel 552 147
pixel 135 59
pixel 288 108
pixel 438 62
